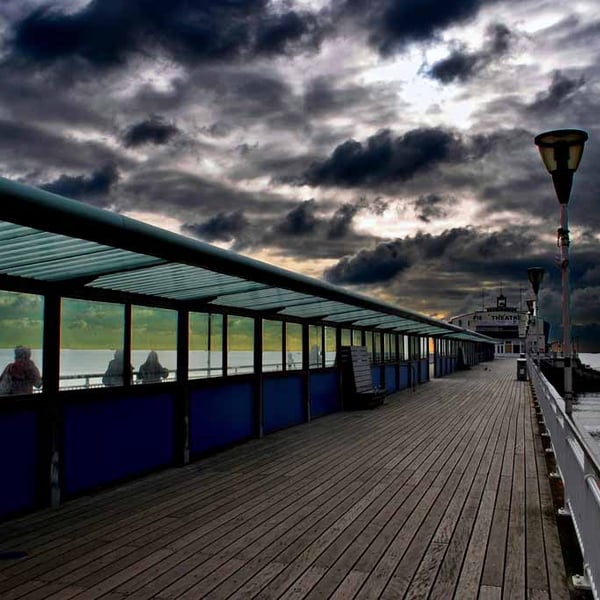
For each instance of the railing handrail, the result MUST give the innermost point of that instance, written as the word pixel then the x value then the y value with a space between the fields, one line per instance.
pixel 580 472
pixel 585 446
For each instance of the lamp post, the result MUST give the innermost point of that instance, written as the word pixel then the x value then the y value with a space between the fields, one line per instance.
pixel 535 276
pixel 561 151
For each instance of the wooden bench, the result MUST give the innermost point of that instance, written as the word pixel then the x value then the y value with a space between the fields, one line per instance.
pixel 357 379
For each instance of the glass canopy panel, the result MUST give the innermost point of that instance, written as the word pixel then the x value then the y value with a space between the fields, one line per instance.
pixel 315 309
pixel 28 252
pixel 10 231
pixel 350 315
pixel 268 296
pixel 80 266
pixel 215 291
pixel 264 299
pixel 173 275
pixel 380 319
pixel 179 282
pixel 398 323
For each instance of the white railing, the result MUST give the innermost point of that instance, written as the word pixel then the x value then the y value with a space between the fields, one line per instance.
pixel 580 472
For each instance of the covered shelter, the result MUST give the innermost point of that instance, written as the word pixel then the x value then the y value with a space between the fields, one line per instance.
pixel 249 348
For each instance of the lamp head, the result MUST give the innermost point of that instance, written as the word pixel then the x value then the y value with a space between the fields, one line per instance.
pixel 535 275
pixel 530 307
pixel 561 152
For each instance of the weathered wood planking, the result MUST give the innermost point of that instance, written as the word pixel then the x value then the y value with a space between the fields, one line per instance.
pixel 440 493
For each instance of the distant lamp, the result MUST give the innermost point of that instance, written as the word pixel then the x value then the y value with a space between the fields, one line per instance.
pixel 536 275
pixel 531 306
pixel 561 152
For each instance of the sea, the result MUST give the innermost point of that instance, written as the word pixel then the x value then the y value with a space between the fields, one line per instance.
pixel 84 368
pixel 591 359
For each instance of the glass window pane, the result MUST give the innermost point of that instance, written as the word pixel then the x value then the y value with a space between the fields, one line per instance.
pixel 272 332
pixel 369 344
pixel 154 344
pixel 330 348
pixel 215 353
pixel 293 346
pixel 315 340
pixel 346 337
pixel 200 358
pixel 386 347
pixel 240 345
pixel 21 329
pixel 91 344
pixel 377 346
pixel 356 337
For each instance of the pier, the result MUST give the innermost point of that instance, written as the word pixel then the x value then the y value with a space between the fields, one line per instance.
pixel 441 492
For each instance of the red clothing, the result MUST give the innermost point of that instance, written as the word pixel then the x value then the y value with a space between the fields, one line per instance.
pixel 22 375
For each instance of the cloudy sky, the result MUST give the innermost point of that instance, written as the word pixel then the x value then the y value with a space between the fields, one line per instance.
pixel 383 145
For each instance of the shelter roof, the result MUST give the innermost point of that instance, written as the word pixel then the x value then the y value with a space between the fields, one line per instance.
pixel 52 243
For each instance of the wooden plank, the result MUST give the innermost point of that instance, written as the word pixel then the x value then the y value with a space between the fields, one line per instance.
pixel 449 573
pixel 425 573
pixel 515 563
pixel 490 592
pixel 554 560
pixel 417 499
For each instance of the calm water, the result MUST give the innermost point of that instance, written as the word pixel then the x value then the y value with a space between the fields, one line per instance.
pixel 94 362
pixel 591 359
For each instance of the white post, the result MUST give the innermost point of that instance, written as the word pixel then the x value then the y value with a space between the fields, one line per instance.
pixel 563 242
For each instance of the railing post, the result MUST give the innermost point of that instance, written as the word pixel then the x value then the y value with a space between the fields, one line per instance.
pixel 258 382
pixel 182 398
pixel 52 413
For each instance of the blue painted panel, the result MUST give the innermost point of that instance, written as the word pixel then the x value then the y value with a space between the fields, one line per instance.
pixel 376 376
pixel 221 416
pixel 115 438
pixel 18 450
pixel 404 376
pixel 391 383
pixel 423 370
pixel 283 405
pixel 438 367
pixel 323 394
pixel 453 364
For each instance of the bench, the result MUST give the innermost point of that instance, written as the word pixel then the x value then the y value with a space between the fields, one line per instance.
pixel 357 379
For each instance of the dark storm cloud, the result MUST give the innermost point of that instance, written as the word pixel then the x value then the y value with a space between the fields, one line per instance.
pixel 300 220
pixel 185 195
pixel 187 31
pixel 456 249
pixel 369 266
pixel 223 227
pixel 432 206
pixel 384 159
pixel 277 32
pixel 154 130
pixel 82 187
pixel 461 65
pixel 561 90
pixel 340 225
pixel 393 24
pixel 26 147
pixel 341 221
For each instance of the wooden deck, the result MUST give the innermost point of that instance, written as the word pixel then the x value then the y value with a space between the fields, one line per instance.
pixel 440 493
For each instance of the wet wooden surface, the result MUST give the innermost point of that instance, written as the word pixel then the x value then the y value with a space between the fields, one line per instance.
pixel 439 493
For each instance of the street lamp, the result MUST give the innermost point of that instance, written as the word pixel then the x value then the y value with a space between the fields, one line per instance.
pixel 561 151
pixel 535 276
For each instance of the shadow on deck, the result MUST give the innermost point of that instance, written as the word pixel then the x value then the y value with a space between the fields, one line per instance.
pixel 441 492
